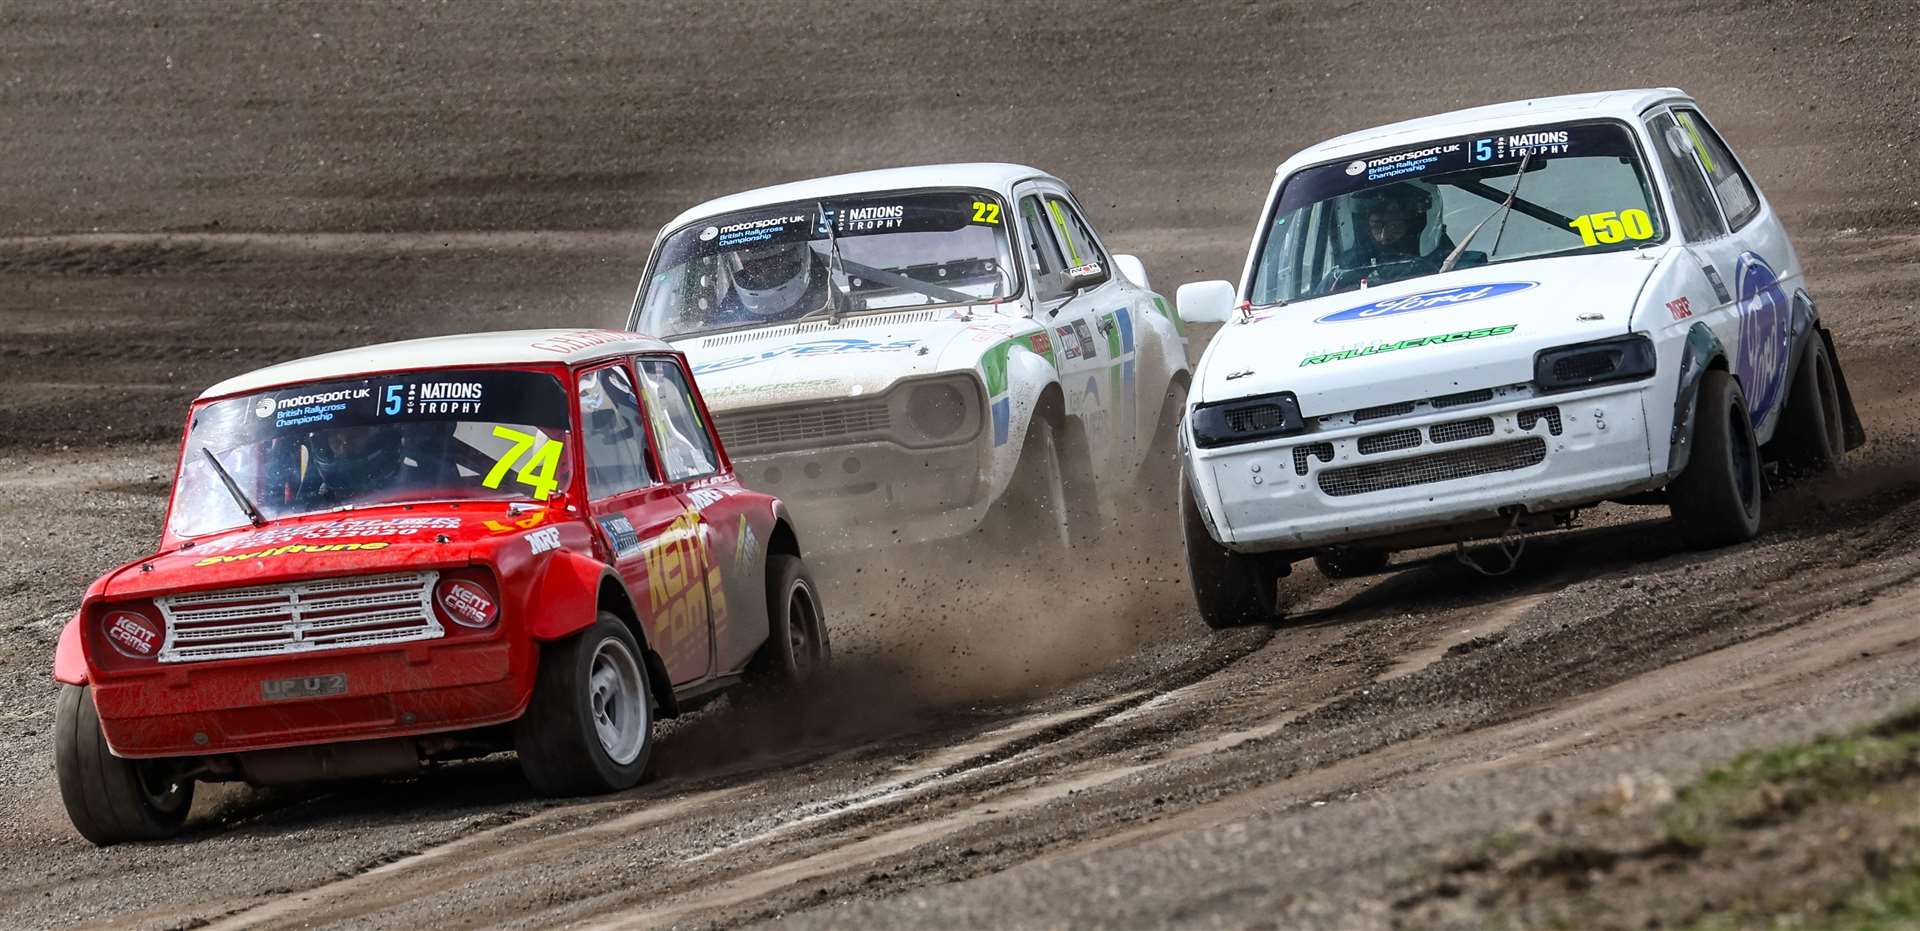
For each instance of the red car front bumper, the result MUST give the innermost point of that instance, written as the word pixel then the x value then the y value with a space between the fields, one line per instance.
pixel 196 709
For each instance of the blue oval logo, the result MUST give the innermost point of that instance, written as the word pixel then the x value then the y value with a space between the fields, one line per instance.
pixel 1427 300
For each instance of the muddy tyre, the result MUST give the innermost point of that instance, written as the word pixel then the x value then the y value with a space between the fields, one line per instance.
pixel 1345 563
pixel 1812 435
pixel 1046 507
pixel 589 727
pixel 1160 470
pixel 112 800
pixel 797 650
pixel 1716 500
pixel 1231 589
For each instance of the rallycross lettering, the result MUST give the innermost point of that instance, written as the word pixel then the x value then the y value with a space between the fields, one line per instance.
pixel 1379 348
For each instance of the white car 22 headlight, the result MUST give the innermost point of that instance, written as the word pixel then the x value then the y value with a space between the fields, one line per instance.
pixel 938 411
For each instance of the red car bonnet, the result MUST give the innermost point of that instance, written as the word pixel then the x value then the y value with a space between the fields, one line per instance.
pixel 362 542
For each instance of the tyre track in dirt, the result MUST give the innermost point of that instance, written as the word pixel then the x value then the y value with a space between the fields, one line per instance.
pixel 714 815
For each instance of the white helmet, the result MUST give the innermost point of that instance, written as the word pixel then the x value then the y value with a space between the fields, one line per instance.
pixel 770 278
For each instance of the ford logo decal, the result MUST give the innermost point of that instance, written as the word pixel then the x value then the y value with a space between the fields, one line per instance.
pixel 1427 300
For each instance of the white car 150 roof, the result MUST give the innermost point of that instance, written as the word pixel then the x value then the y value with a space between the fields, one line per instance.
pixel 1477 323
pixel 884 348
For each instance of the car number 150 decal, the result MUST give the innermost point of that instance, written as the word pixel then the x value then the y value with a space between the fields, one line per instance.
pixel 1610 227
pixel 537 473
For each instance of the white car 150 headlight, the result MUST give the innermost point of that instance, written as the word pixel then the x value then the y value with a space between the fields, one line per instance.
pixel 1245 420
pixel 1582 365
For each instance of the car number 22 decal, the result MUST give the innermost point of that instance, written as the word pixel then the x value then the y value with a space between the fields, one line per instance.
pixel 986 212
pixel 1610 227
pixel 537 473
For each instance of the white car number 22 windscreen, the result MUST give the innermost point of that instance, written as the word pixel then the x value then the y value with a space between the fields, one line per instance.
pixel 774 264
pixel 1415 211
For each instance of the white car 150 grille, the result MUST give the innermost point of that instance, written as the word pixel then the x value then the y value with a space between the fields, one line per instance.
pixel 323 614
pixel 1435 467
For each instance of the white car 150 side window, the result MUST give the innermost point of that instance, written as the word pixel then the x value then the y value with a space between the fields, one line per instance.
pixel 1729 182
pixel 1692 199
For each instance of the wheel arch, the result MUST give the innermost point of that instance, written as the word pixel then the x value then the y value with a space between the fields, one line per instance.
pixel 572 592
pixel 1702 353
pixel 69 656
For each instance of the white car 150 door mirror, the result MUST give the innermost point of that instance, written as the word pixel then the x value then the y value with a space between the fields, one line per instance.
pixel 1205 301
pixel 1133 269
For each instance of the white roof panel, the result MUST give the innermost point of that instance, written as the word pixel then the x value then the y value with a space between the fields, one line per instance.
pixel 510 347
pixel 992 176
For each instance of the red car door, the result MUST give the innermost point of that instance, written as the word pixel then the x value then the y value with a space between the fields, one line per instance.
pixel 733 531
pixel 649 534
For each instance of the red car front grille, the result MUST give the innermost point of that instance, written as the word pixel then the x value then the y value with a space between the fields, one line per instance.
pixel 324 614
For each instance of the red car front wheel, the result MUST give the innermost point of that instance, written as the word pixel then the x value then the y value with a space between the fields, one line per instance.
pixel 110 799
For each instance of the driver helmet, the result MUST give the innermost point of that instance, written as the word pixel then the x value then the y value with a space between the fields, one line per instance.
pixel 357 460
pixel 770 279
pixel 1398 219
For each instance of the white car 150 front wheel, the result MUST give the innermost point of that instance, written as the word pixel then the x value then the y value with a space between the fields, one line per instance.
pixel 1231 589
pixel 1716 501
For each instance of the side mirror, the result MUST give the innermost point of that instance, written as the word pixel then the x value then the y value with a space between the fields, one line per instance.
pixel 1205 301
pixel 1081 276
pixel 1133 270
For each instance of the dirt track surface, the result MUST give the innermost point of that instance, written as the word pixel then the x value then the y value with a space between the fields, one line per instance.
pixel 196 192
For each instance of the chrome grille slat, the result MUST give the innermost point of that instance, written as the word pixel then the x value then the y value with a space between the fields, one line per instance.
pixel 299 617
pixel 1433 467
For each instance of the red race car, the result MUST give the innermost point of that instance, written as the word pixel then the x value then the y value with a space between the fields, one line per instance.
pixel 426 550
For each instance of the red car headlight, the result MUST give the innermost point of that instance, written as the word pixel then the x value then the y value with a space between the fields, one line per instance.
pixel 466 602
pixel 132 634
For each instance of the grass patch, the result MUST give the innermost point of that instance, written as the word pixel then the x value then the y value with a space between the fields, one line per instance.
pixel 1893 905
pixel 1764 786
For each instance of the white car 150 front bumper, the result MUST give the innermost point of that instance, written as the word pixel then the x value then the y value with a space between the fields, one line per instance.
pixel 1427 463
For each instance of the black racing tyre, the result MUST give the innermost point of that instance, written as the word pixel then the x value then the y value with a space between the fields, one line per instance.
pixel 589 726
pixel 1351 562
pixel 1231 589
pixel 1716 499
pixel 798 649
pixel 1812 435
pixel 110 799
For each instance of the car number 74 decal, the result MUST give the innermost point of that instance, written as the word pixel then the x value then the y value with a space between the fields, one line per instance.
pixel 537 473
